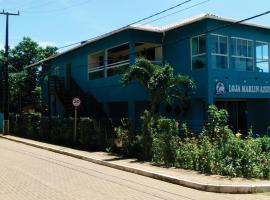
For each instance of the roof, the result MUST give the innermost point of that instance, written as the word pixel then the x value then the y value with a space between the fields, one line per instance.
pixel 151 28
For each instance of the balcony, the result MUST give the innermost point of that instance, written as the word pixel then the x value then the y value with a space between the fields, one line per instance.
pixel 116 60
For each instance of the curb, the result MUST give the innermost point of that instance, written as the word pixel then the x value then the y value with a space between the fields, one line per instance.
pixel 232 189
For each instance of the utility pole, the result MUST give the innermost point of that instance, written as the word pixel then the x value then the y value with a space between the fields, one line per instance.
pixel 5 76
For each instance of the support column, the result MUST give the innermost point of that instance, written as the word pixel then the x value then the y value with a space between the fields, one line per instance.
pixel 105 63
pixel 132 56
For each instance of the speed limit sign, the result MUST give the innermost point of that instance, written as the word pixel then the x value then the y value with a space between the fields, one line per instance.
pixel 76 102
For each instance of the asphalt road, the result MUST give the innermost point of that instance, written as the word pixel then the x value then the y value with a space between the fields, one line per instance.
pixel 28 173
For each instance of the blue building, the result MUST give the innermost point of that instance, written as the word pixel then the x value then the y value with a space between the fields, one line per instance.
pixel 229 62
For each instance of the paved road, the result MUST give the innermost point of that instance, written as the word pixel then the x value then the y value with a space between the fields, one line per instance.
pixel 28 173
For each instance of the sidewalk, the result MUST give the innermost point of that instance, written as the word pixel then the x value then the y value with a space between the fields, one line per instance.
pixel 181 177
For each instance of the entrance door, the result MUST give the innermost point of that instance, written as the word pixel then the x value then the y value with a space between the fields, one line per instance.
pixel 67 76
pixel 237 111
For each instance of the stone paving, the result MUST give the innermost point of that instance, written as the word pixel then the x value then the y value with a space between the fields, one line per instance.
pixel 34 174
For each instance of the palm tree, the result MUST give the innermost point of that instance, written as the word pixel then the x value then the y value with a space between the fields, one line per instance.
pixel 159 82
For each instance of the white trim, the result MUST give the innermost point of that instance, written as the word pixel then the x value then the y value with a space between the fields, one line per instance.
pixel 240 38
pixel 118 64
pixel 96 69
pixel 251 58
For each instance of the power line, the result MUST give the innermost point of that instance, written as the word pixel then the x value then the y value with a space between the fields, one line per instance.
pixel 60 9
pixel 138 21
pixel 200 33
pixel 38 5
pixel 221 27
pixel 159 13
pixel 200 3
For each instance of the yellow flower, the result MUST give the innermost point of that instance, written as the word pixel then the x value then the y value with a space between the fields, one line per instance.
pixel 238 135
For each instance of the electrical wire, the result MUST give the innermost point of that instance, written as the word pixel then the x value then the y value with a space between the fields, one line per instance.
pixel 37 6
pixel 138 21
pixel 200 33
pixel 61 9
pixel 198 4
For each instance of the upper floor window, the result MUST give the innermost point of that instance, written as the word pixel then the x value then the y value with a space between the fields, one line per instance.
pixel 96 65
pixel 262 57
pixel 219 51
pixel 198 49
pixel 242 54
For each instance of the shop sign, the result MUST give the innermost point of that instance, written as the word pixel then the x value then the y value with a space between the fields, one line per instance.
pixel 235 88
pixel 249 89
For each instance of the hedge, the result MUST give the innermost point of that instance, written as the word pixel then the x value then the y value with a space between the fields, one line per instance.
pixel 91 134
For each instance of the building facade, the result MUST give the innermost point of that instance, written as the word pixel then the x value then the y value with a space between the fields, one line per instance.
pixel 229 62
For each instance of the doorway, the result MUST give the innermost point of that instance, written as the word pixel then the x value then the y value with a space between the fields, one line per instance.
pixel 237 111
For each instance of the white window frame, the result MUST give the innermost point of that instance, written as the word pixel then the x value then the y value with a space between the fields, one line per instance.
pixel 197 55
pixel 262 59
pixel 218 54
pixel 245 57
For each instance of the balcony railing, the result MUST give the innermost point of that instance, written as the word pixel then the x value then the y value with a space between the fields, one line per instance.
pixel 96 72
pixel 113 69
pixel 117 67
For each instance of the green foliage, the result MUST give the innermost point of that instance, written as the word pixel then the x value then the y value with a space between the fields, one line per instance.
pixel 216 123
pixel 159 82
pixel 24 85
pixel 91 134
pixel 164 144
pixel 145 137
pixel 125 139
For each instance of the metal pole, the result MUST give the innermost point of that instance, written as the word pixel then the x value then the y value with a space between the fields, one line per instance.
pixel 75 126
pixel 5 83
pixel 5 76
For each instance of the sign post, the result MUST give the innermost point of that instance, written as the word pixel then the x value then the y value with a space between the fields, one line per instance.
pixel 76 103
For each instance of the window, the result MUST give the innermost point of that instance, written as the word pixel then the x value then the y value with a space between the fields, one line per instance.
pixel 198 49
pixel 96 65
pixel 262 57
pixel 242 54
pixel 219 51
pixel 118 60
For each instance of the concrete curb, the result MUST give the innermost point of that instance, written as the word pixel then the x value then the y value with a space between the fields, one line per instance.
pixel 232 189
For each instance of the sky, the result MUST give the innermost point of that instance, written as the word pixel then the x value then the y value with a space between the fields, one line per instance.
pixel 61 22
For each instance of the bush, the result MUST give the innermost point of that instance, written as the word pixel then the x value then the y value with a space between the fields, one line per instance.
pixel 145 137
pixel 91 134
pixel 164 145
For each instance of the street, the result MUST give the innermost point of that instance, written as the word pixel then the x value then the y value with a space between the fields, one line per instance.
pixel 33 174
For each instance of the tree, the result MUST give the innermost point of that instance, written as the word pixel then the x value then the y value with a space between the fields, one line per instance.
pixel 24 84
pixel 159 82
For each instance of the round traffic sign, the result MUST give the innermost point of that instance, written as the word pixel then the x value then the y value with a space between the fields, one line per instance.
pixel 76 102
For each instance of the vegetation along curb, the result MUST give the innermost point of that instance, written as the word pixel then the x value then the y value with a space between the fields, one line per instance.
pixel 234 189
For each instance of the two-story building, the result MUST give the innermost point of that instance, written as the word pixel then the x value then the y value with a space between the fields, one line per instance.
pixel 229 62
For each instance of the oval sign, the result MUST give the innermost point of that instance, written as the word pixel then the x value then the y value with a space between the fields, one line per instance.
pixel 76 102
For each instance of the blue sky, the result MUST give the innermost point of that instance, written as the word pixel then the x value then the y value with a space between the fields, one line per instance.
pixel 61 22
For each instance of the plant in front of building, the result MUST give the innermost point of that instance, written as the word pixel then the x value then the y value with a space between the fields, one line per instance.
pixel 164 142
pixel 160 82
pixel 125 139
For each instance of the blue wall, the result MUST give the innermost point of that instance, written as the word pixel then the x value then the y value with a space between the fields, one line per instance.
pixel 1 122
pixel 176 52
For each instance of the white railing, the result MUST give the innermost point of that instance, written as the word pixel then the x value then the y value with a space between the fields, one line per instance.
pixel 95 69
pixel 118 64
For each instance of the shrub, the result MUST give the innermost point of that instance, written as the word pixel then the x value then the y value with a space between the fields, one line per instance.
pixel 164 145
pixel 187 154
pixel 145 137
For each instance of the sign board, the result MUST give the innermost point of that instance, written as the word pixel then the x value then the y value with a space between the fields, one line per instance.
pixel 76 102
pixel 221 88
